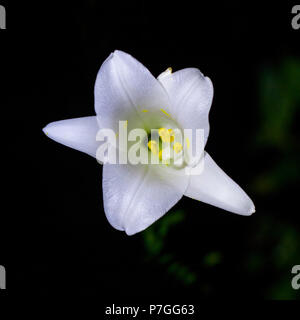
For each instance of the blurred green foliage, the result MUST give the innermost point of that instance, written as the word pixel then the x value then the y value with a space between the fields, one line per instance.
pixel 275 249
pixel 155 239
pixel 212 258
pixel 279 94
pixel 278 133
pixel 279 106
pixel 273 242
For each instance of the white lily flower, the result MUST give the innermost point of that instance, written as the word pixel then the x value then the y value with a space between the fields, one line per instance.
pixel 135 196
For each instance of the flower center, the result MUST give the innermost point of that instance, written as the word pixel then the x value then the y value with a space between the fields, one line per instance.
pixel 165 146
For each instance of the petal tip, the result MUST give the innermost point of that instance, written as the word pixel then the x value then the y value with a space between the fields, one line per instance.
pixel 251 210
pixel 117 53
pixel 48 129
pixel 45 130
pixel 129 233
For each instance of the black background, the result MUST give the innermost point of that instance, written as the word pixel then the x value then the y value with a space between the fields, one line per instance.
pixel 57 236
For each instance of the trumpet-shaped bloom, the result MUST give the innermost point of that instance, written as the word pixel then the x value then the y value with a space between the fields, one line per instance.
pixel 137 195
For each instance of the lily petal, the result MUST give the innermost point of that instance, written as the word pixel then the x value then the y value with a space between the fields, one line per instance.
pixel 215 187
pixel 136 196
pixel 191 96
pixel 124 89
pixel 78 133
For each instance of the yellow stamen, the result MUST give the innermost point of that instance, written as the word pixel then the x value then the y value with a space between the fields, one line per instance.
pixel 177 147
pixel 145 110
pixel 165 112
pixel 172 135
pixel 187 143
pixel 166 73
pixel 126 124
pixel 164 134
pixel 152 145
pixel 160 155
